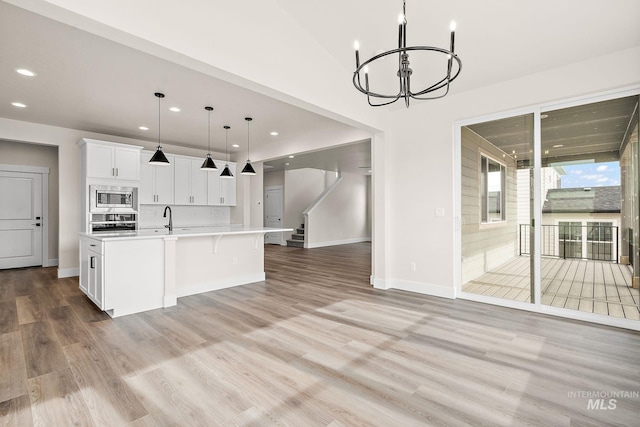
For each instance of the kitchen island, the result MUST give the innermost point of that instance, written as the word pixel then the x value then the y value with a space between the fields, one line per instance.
pixel 129 272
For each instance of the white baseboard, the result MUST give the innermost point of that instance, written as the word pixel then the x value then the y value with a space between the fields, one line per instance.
pixel 337 242
pixel 417 287
pixel 51 263
pixel 68 272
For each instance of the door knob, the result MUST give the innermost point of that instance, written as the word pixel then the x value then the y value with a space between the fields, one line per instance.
pixel 37 225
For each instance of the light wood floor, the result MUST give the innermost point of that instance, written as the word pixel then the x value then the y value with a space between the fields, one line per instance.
pixel 314 345
pixel 591 286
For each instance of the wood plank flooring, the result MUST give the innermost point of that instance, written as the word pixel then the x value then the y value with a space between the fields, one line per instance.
pixel 591 286
pixel 313 345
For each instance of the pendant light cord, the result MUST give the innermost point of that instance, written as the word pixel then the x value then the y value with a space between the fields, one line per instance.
pixel 159 100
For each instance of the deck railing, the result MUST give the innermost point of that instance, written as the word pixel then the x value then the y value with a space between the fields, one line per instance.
pixel 596 242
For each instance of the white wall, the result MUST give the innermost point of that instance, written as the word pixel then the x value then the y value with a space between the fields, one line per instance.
pixel 301 188
pixel 342 214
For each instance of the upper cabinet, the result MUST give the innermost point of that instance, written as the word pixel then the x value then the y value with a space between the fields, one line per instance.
pixel 190 181
pixel 156 182
pixel 106 160
pixel 221 191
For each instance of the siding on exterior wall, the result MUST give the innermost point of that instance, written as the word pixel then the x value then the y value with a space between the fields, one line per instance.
pixel 485 246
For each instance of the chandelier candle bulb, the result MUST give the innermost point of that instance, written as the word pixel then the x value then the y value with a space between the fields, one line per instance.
pixel 356 46
pixel 452 27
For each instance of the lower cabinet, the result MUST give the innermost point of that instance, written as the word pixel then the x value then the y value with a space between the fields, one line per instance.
pixel 92 270
pixel 122 276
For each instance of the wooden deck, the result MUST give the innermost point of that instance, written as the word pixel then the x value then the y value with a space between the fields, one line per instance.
pixel 591 286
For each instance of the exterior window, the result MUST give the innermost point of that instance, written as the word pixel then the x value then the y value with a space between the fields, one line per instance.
pixel 570 239
pixel 492 183
pixel 600 240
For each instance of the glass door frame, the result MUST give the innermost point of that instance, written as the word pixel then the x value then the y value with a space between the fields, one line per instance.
pixel 535 305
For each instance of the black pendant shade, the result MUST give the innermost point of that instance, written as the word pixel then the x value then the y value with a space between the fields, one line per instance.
pixel 248 169
pixel 208 164
pixel 158 158
pixel 226 172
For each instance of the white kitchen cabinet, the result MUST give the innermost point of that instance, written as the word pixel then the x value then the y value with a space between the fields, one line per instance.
pixel 106 160
pixel 156 182
pixel 190 182
pixel 221 191
pixel 92 270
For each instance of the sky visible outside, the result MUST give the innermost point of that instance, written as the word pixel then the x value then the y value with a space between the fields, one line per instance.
pixel 591 175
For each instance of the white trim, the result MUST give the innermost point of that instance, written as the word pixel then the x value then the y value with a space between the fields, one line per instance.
pixel 24 169
pixel 68 272
pixel 337 242
pixel 600 319
pixel 417 287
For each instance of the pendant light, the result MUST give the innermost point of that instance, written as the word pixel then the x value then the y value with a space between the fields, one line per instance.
pixel 226 172
pixel 248 169
pixel 158 158
pixel 208 164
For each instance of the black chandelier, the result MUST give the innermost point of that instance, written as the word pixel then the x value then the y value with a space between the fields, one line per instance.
pixel 454 65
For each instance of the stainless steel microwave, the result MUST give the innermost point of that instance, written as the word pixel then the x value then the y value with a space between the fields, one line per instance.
pixel 107 199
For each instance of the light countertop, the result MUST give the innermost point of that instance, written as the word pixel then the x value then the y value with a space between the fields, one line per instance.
pixel 178 232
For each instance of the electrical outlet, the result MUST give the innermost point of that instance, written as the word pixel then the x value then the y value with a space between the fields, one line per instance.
pixel 412 266
pixel 235 260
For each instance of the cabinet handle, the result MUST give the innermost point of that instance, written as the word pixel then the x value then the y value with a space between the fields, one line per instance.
pixel 113 171
pixel 93 246
pixel 117 172
pixel 93 262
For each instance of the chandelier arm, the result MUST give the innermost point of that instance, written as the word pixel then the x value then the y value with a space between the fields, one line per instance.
pixel 384 103
pixel 431 97
pixel 439 84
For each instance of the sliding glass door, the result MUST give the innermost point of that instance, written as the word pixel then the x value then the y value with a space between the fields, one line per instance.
pixel 496 160
pixel 568 239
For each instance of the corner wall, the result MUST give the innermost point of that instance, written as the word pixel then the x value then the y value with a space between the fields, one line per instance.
pixel 342 215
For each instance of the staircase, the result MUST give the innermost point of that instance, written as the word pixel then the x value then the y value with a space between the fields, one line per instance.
pixel 297 239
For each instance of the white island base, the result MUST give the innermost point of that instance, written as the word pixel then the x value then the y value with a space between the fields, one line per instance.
pixel 126 273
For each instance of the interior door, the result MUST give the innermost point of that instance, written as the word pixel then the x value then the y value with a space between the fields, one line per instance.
pixel 20 219
pixel 273 213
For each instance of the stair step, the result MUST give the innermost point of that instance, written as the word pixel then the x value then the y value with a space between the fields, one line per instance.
pixel 300 230
pixel 297 236
pixel 295 243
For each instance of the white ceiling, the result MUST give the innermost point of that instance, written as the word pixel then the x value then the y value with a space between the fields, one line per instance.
pixel 89 83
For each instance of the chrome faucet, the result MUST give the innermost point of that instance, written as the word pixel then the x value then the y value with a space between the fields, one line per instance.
pixel 170 226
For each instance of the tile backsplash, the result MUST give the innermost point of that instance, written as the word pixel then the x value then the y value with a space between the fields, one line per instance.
pixel 184 216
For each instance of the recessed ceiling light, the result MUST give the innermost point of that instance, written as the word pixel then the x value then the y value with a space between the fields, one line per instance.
pixel 291 157
pixel 286 164
pixel 174 109
pixel 143 128
pixel 26 72
pixel 235 145
pixel 558 145
pixel 544 116
pixel 274 133
pixel 369 171
pixel 19 104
